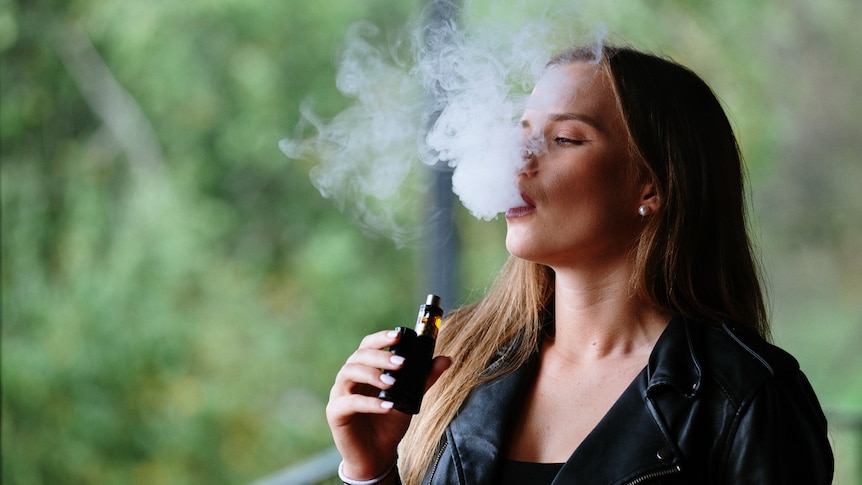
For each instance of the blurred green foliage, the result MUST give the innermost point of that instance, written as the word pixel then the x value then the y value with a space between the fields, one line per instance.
pixel 176 296
pixel 175 317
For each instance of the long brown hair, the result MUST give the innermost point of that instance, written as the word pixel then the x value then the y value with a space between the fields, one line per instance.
pixel 693 256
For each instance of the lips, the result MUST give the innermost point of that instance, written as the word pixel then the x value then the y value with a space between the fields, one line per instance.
pixel 520 211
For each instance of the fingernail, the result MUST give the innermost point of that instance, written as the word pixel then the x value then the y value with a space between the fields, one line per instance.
pixel 387 404
pixel 387 379
pixel 392 334
pixel 396 359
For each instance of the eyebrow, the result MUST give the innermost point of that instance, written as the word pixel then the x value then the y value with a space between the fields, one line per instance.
pixel 569 117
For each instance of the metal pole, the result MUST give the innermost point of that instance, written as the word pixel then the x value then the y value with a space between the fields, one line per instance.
pixel 443 245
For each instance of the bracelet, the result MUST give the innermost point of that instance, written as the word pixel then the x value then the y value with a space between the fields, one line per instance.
pixel 377 479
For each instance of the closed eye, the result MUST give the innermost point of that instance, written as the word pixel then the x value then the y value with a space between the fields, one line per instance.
pixel 569 141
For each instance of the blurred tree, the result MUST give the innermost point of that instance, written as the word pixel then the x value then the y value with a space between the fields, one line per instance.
pixel 172 286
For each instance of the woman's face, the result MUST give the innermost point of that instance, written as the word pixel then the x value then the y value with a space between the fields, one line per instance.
pixel 580 197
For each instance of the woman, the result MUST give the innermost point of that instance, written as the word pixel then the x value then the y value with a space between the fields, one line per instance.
pixel 625 339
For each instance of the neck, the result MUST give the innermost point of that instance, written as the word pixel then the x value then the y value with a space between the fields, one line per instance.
pixel 597 316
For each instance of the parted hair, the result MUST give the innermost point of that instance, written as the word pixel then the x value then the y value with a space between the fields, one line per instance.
pixel 693 256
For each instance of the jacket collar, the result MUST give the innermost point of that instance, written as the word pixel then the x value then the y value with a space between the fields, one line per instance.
pixel 673 360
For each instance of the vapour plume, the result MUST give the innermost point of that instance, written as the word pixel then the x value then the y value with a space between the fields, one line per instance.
pixel 473 127
pixel 435 95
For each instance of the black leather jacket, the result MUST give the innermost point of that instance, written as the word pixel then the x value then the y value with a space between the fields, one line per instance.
pixel 713 406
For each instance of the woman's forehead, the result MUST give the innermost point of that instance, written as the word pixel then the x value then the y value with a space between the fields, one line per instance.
pixel 572 88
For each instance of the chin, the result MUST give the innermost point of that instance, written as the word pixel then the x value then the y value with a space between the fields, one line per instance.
pixel 520 248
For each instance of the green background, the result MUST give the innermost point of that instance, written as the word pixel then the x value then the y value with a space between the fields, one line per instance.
pixel 177 296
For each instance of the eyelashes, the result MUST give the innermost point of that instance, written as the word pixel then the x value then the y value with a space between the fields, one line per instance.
pixel 536 144
pixel 563 141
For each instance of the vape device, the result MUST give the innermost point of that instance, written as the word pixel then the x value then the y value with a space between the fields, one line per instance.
pixel 417 348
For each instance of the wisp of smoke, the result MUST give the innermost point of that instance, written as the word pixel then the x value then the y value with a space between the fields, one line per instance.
pixel 454 104
pixel 365 153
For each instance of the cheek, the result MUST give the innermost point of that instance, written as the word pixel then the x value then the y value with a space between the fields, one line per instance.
pixel 615 182
pixel 576 194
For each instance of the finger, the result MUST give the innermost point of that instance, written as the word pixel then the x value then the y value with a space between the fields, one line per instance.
pixel 360 379
pixel 379 359
pixel 339 411
pixel 379 340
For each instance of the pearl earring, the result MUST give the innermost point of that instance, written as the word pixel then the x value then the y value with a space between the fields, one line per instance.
pixel 643 210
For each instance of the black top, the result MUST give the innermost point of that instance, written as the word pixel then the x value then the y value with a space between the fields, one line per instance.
pixel 520 472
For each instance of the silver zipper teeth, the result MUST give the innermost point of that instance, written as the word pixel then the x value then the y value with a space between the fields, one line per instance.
pixel 437 460
pixel 661 473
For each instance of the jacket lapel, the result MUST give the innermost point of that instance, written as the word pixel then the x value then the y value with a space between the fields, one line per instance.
pixel 625 445
pixel 478 432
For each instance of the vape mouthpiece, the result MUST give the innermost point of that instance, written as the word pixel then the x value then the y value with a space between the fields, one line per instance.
pixel 432 300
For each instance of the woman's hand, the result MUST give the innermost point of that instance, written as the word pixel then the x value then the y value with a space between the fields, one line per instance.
pixel 366 429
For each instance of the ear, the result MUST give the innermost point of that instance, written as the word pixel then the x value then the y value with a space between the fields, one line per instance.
pixel 649 198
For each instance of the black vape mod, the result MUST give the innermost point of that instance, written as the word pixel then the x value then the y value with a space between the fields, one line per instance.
pixel 417 348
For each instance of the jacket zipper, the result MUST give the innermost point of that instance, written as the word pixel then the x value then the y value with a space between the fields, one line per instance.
pixel 658 474
pixel 437 460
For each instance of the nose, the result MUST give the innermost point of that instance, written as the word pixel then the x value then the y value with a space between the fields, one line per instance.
pixel 531 151
pixel 531 162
